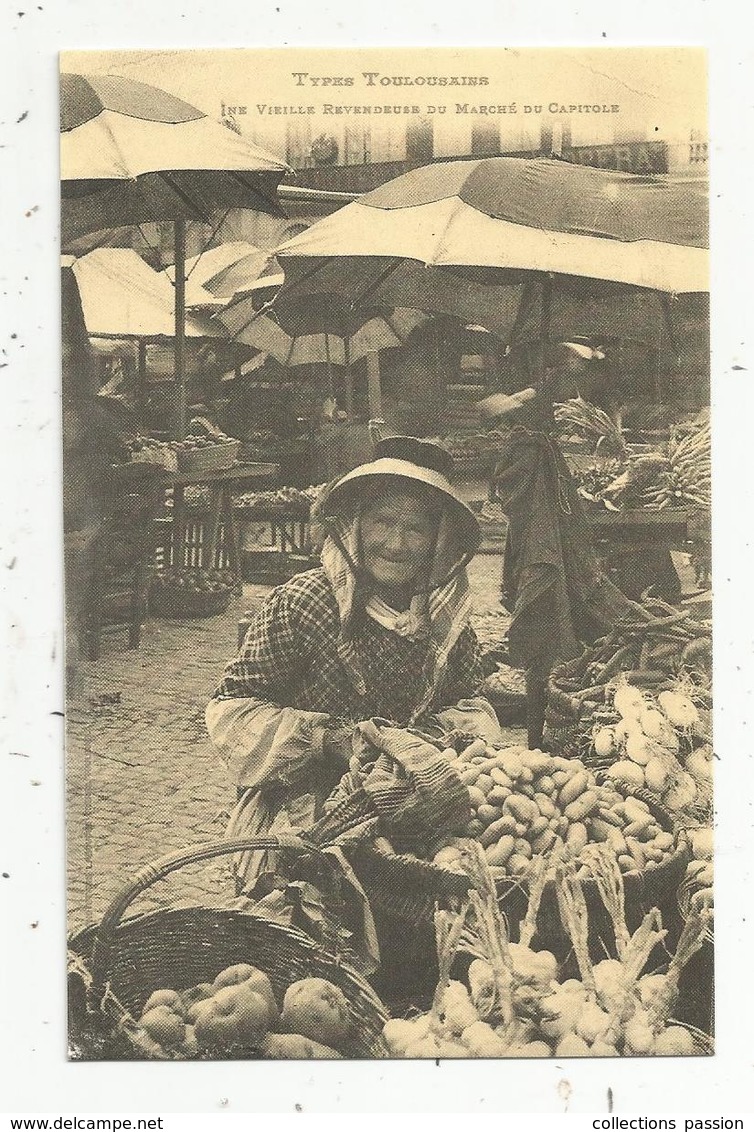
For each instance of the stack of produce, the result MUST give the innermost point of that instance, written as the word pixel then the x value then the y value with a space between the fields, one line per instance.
pixel 661 649
pixel 688 480
pixel 287 500
pixel 199 440
pixel 678 475
pixel 527 805
pixel 238 1014
pixel 658 742
pixel 512 1003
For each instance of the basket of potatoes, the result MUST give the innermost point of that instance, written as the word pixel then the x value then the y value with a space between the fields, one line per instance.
pixel 205 983
pixel 526 804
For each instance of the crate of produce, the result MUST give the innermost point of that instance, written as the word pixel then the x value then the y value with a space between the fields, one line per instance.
pixel 205 454
pixel 190 593
pixel 149 450
pixel 216 983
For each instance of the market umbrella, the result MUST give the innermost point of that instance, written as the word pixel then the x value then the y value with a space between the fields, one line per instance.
pixel 226 269
pixel 512 243
pixel 131 153
pixel 123 298
pixel 306 332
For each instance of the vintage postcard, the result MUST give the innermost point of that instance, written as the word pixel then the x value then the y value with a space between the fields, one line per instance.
pixel 386 398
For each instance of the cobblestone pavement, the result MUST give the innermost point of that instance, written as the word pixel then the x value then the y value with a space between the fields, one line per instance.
pixel 142 777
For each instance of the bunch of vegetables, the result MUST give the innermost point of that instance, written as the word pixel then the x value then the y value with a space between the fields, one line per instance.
pixel 593 481
pixel 527 804
pixel 656 648
pixel 239 1013
pixel 680 476
pixel 652 742
pixel 512 1003
pixel 582 419
pixel 688 480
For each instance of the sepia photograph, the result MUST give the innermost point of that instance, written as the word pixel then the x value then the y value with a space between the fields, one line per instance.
pixel 388 569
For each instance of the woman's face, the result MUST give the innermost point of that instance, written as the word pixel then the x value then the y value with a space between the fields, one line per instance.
pixel 398 534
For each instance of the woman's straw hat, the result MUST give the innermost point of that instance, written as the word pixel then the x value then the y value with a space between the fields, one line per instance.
pixel 406 458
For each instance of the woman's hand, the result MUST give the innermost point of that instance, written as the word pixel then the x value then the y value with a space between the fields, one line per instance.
pixel 337 745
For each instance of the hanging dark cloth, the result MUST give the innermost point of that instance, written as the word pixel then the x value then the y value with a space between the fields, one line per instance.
pixel 552 581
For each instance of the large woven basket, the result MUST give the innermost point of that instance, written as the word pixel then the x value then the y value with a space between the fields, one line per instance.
pixel 116 965
pixel 405 891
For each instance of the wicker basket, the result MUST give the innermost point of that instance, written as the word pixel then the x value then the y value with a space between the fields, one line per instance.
pixel 406 890
pixel 213 458
pixel 165 458
pixel 117 965
pixel 172 602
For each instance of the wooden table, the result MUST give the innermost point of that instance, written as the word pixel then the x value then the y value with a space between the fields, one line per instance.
pixel 221 513
pixel 636 544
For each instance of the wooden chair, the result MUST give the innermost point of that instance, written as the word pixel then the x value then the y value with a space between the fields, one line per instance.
pixel 118 585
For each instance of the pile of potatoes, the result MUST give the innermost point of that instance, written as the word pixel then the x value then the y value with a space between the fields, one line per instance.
pixel 524 803
pixel 239 1013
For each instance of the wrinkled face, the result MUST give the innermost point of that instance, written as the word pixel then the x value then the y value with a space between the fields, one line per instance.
pixel 398 534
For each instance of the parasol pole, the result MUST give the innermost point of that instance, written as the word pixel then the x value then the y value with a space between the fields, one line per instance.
pixel 180 326
pixel 373 385
pixel 141 381
pixel 544 326
pixel 348 379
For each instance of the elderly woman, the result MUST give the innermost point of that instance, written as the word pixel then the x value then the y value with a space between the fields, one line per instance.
pixel 380 630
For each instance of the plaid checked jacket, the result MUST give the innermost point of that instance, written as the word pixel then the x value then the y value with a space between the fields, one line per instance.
pixel 290 657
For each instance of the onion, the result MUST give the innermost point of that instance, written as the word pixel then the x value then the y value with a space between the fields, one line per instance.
pixel 571 1045
pixel 656 775
pixel 609 978
pixel 629 702
pixel 628 771
pixel 682 793
pixel 593 1022
pixel 604 741
pixel 457 1008
pixel 652 722
pixel 701 843
pixel 679 709
pixel 649 986
pixel 482 1041
pixel 699 763
pixel 638 749
pixel 533 966
pixel 400 1033
pixel 638 1034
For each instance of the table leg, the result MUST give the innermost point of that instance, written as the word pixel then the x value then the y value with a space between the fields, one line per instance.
pixel 232 547
pixel 216 495
pixel 179 527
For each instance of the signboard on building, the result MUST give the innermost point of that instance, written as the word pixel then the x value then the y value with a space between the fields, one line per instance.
pixel 629 157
